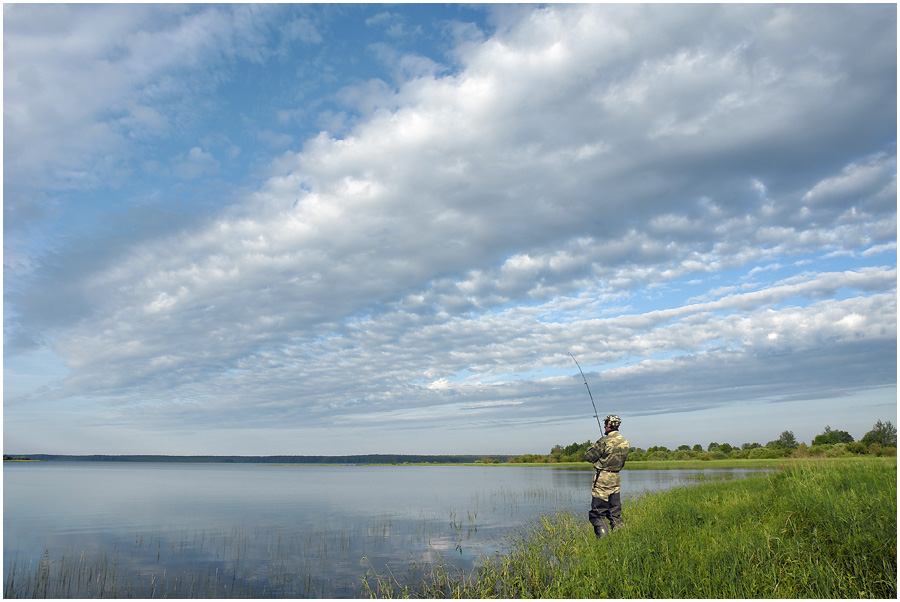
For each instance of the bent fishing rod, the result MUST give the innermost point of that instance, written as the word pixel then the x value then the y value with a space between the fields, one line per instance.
pixel 589 392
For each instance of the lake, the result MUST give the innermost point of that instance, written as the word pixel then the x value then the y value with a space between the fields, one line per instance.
pixel 271 530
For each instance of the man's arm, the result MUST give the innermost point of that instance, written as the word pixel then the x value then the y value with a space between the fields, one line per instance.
pixel 593 453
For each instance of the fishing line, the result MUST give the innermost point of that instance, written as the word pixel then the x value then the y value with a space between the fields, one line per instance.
pixel 589 392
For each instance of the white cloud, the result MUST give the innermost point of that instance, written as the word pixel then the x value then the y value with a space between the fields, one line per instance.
pixel 858 182
pixel 86 87
pixel 460 233
pixel 195 164
pixel 303 29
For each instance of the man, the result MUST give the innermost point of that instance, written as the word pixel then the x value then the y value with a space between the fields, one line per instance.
pixel 608 456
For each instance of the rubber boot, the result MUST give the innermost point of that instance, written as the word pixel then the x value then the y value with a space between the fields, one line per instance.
pixel 601 531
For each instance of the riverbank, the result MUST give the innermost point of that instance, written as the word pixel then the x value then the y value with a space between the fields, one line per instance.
pixel 815 529
pixel 665 464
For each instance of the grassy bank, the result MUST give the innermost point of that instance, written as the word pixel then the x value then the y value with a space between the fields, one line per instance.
pixel 816 529
pixel 762 463
pixel 666 464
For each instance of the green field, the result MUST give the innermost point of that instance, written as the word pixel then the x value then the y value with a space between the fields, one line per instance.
pixel 814 529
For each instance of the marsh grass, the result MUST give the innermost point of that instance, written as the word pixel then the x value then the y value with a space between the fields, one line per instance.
pixel 815 529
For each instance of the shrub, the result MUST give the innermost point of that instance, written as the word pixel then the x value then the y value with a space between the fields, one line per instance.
pixel 819 450
pixel 857 447
pixel 837 450
pixel 763 453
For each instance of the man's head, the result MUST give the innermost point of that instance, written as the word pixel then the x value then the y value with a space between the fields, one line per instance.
pixel 611 423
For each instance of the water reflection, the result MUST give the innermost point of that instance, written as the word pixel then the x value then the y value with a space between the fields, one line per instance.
pixel 297 531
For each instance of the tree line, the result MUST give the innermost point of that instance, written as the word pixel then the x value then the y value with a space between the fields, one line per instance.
pixel 349 459
pixel 881 440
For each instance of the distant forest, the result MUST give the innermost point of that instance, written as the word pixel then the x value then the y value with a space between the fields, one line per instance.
pixel 880 441
pixel 352 459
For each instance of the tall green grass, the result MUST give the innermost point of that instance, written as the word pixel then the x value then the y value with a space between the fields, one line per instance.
pixel 695 464
pixel 815 529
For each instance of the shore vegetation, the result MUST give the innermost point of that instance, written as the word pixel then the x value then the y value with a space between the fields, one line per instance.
pixel 814 529
pixel 881 440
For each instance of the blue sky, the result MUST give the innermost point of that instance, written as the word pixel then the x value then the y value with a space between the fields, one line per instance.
pixel 306 229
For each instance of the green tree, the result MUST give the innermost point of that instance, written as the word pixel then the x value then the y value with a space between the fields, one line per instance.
pixel 725 448
pixel 697 448
pixel 684 448
pixel 556 453
pixel 573 449
pixel 883 433
pixel 785 441
pixel 712 446
pixel 832 437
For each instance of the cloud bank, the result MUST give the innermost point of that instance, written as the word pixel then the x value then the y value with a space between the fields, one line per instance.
pixel 704 216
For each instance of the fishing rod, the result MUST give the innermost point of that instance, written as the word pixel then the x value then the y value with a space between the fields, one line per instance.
pixel 589 392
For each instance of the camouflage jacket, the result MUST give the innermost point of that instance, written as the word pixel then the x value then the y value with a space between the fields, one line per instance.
pixel 608 456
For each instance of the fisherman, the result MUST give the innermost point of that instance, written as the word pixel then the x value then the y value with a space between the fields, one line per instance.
pixel 608 456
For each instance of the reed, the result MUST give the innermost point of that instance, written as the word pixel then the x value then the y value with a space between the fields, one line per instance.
pixel 183 565
pixel 815 529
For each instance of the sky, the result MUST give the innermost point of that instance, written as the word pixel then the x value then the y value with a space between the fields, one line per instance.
pixel 332 229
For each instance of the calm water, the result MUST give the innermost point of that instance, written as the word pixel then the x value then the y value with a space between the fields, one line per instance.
pixel 302 531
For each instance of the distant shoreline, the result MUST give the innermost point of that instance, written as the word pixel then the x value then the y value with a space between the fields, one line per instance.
pixel 346 459
pixel 410 460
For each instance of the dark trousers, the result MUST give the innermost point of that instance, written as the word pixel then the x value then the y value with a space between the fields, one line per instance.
pixel 606 510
